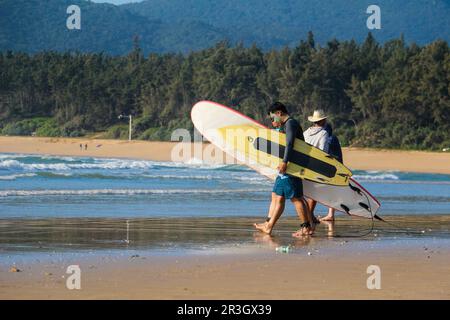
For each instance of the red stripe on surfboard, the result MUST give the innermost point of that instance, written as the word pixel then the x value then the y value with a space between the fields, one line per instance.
pixel 261 125
pixel 232 110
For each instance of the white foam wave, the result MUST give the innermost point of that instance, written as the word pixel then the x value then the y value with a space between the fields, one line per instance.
pixel 69 163
pixel 206 177
pixel 85 192
pixel 169 176
pixel 15 176
pixel 111 165
pixel 12 156
pixel 383 176
pixel 199 163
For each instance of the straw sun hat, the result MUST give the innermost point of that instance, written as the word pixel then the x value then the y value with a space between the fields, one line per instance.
pixel 317 116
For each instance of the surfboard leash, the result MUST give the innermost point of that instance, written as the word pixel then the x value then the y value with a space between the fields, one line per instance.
pixel 388 222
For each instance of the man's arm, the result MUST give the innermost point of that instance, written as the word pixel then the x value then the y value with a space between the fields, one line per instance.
pixel 291 128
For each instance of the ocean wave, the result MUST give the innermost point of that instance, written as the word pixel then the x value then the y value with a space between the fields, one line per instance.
pixel 198 163
pixel 86 192
pixel 42 158
pixel 15 176
pixel 121 176
pixel 401 177
pixel 207 177
pixel 400 181
pixel 415 198
pixel 54 163
pixel 108 165
pixel 255 180
pixel 195 169
pixel 380 176
pixel 12 156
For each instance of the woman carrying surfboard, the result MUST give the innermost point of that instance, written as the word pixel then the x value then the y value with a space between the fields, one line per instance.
pixel 287 186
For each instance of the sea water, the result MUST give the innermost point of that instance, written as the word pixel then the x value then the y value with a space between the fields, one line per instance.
pixel 33 186
pixel 54 207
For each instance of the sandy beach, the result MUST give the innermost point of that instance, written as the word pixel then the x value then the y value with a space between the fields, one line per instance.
pixel 220 259
pixel 355 158
pixel 405 274
pixel 141 230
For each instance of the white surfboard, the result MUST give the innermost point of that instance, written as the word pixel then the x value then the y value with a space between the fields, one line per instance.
pixel 352 199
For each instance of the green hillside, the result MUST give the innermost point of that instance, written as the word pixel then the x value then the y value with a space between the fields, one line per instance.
pixel 189 25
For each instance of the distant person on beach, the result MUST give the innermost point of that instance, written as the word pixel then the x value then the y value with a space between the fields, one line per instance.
pixel 320 136
pixel 286 186
pixel 85 146
pixel 81 146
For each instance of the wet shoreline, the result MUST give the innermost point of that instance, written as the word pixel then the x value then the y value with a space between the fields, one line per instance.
pixel 179 235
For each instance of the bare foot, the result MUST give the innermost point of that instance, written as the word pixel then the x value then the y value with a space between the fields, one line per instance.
pixel 327 218
pixel 263 227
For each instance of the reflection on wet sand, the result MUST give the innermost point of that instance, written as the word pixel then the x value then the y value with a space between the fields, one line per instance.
pixel 329 225
pixel 44 235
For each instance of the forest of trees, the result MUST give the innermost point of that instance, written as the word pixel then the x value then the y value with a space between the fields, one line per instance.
pixel 390 96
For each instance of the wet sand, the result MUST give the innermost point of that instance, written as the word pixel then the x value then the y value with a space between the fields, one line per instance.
pixel 355 158
pixel 211 258
pixel 406 273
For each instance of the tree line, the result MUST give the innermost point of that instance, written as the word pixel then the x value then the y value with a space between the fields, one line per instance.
pixel 394 95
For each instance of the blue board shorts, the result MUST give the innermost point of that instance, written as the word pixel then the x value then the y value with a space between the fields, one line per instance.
pixel 288 187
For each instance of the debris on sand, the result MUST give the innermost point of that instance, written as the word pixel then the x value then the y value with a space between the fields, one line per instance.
pixel 14 269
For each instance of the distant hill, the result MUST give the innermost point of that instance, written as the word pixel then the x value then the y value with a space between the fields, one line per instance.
pixel 35 25
pixel 274 23
pixel 187 25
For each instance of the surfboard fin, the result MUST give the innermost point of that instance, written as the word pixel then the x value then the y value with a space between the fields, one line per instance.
pixel 365 206
pixel 356 189
pixel 346 209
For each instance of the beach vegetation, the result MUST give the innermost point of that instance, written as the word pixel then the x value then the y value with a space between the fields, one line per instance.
pixel 391 95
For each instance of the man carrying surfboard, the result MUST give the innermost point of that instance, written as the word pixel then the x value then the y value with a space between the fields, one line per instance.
pixel 287 186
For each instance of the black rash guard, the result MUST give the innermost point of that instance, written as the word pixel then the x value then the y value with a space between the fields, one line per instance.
pixel 293 130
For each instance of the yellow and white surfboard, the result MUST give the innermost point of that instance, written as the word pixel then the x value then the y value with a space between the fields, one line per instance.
pixel 253 144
